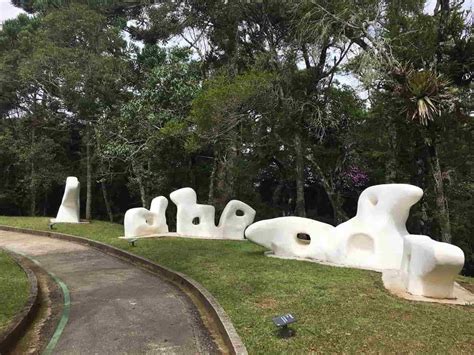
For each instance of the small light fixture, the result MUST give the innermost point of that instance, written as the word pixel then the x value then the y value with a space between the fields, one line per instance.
pixel 282 324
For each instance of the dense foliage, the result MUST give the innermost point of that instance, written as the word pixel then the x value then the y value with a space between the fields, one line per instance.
pixel 240 99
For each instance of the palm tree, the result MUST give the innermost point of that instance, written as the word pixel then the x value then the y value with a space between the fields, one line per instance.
pixel 423 96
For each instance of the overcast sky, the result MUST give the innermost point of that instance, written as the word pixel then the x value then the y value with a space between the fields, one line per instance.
pixel 8 11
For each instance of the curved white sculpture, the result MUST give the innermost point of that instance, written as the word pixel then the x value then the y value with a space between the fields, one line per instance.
pixel 429 268
pixel 235 217
pixel 139 221
pixel 376 238
pixel 193 219
pixel 70 205
pixel 373 239
pixel 281 236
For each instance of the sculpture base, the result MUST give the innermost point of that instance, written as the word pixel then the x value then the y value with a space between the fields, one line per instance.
pixel 394 284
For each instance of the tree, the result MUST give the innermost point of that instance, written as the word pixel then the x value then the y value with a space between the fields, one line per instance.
pixel 154 119
pixel 79 59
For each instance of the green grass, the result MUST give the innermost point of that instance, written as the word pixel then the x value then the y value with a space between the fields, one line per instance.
pixel 338 309
pixel 14 290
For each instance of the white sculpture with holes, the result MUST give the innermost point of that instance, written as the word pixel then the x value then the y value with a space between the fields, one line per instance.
pixel 70 205
pixel 196 220
pixel 139 222
pixel 376 238
pixel 282 236
pixel 373 239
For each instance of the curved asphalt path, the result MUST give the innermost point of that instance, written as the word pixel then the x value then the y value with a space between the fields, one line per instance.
pixel 116 308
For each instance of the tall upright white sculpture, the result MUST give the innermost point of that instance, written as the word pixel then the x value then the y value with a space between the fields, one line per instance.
pixel 193 219
pixel 142 222
pixel 376 238
pixel 70 204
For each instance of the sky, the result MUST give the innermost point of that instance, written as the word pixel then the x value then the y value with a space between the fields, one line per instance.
pixel 8 11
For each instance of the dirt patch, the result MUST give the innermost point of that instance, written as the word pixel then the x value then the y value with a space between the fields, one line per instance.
pixel 267 303
pixel 467 286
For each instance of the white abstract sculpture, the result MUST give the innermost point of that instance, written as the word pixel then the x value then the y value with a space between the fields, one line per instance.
pixel 235 217
pixel 139 222
pixel 281 236
pixel 70 205
pixel 374 237
pixel 429 268
pixel 193 219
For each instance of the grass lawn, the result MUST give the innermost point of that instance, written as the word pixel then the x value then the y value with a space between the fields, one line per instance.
pixel 14 289
pixel 338 309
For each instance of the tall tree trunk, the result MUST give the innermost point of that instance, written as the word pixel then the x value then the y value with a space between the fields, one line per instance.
pixel 443 9
pixel 335 199
pixel 300 203
pixel 32 177
pixel 192 175
pixel 422 163
pixel 441 199
pixel 336 203
pixel 277 199
pixel 212 185
pixel 141 186
pixel 106 200
pixel 222 184
pixel 391 161
pixel 224 187
pixel 89 175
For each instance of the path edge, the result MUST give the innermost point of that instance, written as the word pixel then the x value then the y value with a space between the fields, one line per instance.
pixel 24 318
pixel 219 316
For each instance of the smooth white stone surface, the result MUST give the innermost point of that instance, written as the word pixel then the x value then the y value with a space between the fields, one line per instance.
pixel 198 220
pixel 374 237
pixel 280 236
pixel 70 205
pixel 429 268
pixel 141 222
pixel 235 217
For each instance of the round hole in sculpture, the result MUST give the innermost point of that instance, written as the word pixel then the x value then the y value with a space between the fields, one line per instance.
pixel 373 199
pixel 196 221
pixel 303 238
pixel 239 213
pixel 360 247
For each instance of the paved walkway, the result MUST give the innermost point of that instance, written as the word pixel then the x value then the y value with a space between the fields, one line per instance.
pixel 116 307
